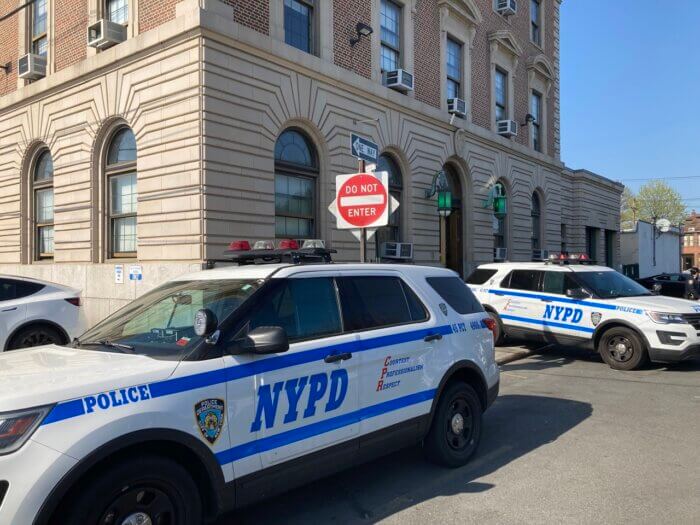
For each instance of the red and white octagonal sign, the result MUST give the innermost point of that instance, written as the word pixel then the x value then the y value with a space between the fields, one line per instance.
pixel 362 200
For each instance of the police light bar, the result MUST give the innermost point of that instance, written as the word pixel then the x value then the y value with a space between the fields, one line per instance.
pixel 566 258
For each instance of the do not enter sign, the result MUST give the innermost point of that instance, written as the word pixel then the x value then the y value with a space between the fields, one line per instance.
pixel 362 200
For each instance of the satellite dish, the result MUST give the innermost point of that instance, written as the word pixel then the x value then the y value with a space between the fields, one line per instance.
pixel 663 225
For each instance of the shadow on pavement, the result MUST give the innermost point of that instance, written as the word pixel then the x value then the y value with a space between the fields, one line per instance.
pixel 515 426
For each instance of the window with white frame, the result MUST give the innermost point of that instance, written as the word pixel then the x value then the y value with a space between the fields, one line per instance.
pixel 299 24
pixel 39 27
pixel 117 11
pixel 390 33
pixel 536 22
pixel 42 190
pixel 501 94
pixel 122 193
pixel 536 111
pixel 454 68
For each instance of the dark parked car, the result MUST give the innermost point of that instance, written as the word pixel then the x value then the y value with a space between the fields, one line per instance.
pixel 671 284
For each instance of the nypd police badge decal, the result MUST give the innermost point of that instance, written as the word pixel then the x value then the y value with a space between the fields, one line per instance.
pixel 209 414
pixel 596 317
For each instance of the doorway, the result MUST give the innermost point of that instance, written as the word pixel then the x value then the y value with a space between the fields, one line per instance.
pixel 451 227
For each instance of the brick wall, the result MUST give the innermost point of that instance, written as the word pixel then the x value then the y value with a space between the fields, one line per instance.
pixel 71 19
pixel 519 25
pixel 8 48
pixel 252 13
pixel 153 13
pixel 427 54
pixel 346 15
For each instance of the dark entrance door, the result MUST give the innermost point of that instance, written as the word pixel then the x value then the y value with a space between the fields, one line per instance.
pixel 452 226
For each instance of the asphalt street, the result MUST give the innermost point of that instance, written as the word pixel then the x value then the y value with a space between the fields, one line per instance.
pixel 568 441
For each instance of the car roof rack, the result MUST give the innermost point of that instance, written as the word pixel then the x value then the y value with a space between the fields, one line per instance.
pixel 297 256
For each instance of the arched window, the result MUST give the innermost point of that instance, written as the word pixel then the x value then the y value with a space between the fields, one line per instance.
pixel 296 171
pixel 122 194
pixel 535 214
pixel 392 231
pixel 42 190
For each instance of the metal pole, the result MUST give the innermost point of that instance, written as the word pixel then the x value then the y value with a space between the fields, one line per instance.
pixel 363 231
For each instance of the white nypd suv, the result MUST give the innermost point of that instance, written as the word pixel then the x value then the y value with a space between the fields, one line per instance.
pixel 568 302
pixel 232 384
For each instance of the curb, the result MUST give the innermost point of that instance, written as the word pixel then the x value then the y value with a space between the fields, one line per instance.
pixel 513 356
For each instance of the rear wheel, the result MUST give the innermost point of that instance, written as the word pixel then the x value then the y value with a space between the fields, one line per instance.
pixel 622 349
pixel 141 491
pixel 37 335
pixel 456 428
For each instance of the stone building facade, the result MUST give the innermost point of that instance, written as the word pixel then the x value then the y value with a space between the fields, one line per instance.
pixel 218 120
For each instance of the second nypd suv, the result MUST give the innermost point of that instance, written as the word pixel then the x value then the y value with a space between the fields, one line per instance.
pixel 571 303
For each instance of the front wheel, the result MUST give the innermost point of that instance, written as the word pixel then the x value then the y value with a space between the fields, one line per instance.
pixel 139 491
pixel 622 349
pixel 456 428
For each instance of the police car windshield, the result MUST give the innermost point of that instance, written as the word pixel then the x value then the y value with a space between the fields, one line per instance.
pixel 159 324
pixel 610 284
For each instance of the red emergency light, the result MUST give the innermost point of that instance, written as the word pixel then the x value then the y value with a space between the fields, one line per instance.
pixel 239 246
pixel 287 244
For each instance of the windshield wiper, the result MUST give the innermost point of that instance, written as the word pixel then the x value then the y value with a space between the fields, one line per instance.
pixel 105 342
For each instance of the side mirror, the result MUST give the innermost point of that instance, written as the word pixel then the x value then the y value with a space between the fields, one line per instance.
pixel 205 322
pixel 656 289
pixel 264 340
pixel 577 293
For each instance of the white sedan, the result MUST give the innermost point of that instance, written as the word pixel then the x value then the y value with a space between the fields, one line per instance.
pixel 34 312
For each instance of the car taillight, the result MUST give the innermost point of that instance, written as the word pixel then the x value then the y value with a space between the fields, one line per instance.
pixel 490 324
pixel 75 301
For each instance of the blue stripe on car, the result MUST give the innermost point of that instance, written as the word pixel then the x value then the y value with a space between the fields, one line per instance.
pixel 328 425
pixel 591 304
pixel 75 408
pixel 553 324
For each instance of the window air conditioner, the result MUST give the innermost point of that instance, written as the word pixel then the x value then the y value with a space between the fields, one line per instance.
pixel 105 33
pixel 506 7
pixel 399 80
pixel 507 128
pixel 397 250
pixel 31 66
pixel 457 106
pixel 540 255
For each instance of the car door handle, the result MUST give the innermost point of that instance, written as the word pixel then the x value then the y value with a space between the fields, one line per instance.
pixel 432 337
pixel 10 309
pixel 547 300
pixel 334 358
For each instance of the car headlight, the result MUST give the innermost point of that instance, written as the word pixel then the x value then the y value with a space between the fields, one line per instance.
pixel 17 427
pixel 666 318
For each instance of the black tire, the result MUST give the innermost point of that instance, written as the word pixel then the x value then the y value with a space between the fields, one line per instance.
pixel 446 446
pixel 633 356
pixel 499 335
pixel 36 335
pixel 155 486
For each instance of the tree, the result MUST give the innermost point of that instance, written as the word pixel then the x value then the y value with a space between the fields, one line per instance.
pixel 655 199
pixel 629 209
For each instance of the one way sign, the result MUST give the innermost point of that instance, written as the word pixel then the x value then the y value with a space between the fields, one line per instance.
pixel 364 149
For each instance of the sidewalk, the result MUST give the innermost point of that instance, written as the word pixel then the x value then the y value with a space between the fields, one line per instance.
pixel 508 354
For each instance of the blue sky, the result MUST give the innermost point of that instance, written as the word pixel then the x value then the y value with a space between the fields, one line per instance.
pixel 630 90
